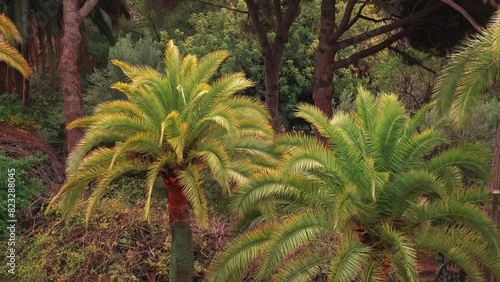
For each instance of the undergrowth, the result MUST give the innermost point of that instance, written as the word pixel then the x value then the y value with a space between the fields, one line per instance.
pixel 118 245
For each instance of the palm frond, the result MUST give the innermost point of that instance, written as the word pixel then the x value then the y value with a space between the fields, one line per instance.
pixel 406 188
pixel 345 206
pixel 348 260
pixel 10 56
pixel 234 262
pixel 390 120
pixel 402 252
pixel 463 214
pixel 205 69
pixel 472 69
pixel 109 175
pixel 316 117
pixel 366 109
pixel 302 267
pixel 410 154
pixel 216 158
pixel 296 231
pixel 90 140
pixel 8 30
pixel 267 186
pixel 449 78
pixel 446 241
pixel 191 181
pixel 152 173
pixel 473 156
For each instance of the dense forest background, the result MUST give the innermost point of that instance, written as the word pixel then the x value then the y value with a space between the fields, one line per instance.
pixel 314 51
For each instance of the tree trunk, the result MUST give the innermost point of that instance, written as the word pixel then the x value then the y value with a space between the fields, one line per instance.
pixel 181 257
pixel 272 61
pixel 323 87
pixel 68 69
pixel 495 166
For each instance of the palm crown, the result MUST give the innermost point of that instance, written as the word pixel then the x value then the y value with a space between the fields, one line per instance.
pixel 363 203
pixel 173 125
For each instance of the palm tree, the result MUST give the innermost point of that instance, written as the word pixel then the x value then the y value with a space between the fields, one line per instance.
pixel 471 71
pixel 360 205
pixel 8 53
pixel 176 126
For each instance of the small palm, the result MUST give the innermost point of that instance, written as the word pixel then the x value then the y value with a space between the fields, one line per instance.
pixel 363 204
pixel 175 125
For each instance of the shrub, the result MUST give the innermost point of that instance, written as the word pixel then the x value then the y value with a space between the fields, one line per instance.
pixel 26 189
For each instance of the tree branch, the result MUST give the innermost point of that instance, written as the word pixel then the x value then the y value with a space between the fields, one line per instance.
pixel 376 20
pixel 221 6
pixel 86 9
pixel 253 12
pixel 277 12
pixel 382 2
pixel 411 59
pixel 369 51
pixel 357 17
pixel 386 28
pixel 344 23
pixel 464 13
pixel 283 29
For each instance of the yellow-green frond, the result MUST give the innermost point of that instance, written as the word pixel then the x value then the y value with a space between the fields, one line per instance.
pixel 12 57
pixel 192 182
pixel 120 168
pixel 348 261
pixel 152 173
pixel 366 109
pixel 8 30
pixel 233 264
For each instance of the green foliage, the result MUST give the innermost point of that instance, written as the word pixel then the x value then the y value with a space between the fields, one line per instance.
pixel 381 187
pixel 395 74
pixel 470 72
pixel 228 30
pixel 118 246
pixel 13 113
pixel 480 126
pixel 141 52
pixel 174 125
pixel 182 123
pixel 46 107
pixel 26 188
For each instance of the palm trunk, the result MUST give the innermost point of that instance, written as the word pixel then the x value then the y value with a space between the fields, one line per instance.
pixel 181 257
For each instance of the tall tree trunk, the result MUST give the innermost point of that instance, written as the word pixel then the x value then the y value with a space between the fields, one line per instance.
pixel 272 61
pixel 323 87
pixel 68 69
pixel 272 52
pixel 495 169
pixel 494 185
pixel 181 257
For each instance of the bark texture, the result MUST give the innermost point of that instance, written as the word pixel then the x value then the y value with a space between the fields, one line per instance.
pixel 73 17
pixel 272 62
pixel 181 257
pixel 272 52
pixel 331 41
pixel 495 171
pixel 323 66
pixel 68 69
